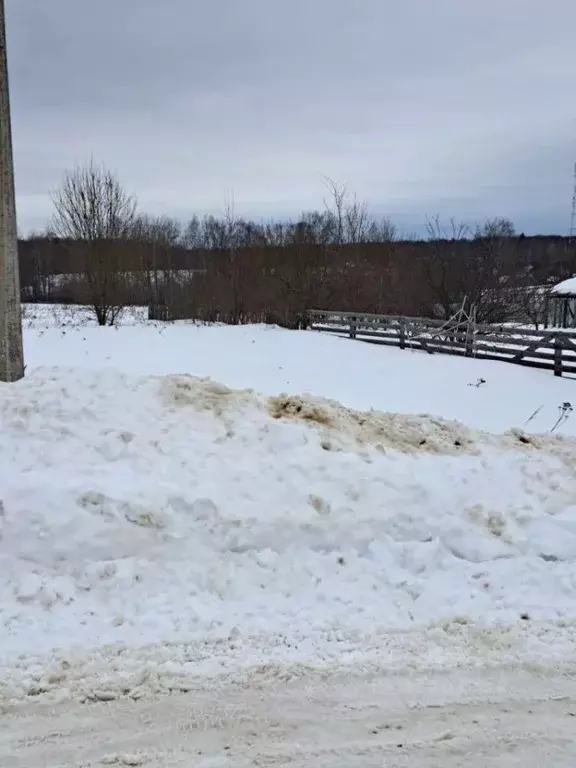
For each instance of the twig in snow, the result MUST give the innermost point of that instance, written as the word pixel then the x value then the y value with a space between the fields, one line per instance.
pixel 564 411
pixel 536 412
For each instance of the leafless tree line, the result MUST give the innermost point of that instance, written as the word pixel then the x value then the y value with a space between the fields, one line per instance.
pixel 99 250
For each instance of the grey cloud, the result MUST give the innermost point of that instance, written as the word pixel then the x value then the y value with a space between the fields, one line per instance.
pixel 451 106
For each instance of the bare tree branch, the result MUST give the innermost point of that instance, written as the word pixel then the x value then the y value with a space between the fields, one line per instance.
pixel 94 214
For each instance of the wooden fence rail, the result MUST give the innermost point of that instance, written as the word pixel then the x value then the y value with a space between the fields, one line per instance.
pixel 547 349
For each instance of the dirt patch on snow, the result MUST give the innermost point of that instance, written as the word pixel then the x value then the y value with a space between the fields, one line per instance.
pixel 340 428
pixel 205 394
pixel 394 431
pixel 345 429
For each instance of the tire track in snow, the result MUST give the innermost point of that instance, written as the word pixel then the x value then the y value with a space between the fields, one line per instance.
pixel 503 716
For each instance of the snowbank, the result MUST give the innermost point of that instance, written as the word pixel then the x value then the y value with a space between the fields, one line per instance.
pixel 358 375
pixel 144 510
pixel 152 519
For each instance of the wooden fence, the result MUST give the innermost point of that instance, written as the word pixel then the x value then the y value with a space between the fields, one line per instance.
pixel 548 349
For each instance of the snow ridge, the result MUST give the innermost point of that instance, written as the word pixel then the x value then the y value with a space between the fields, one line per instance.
pixel 150 509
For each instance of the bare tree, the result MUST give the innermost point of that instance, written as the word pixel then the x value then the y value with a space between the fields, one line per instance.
pixel 347 215
pixel 314 227
pixel 95 215
pixel 157 237
pixel 336 207
pixel 498 227
pixel 356 219
pixel 235 274
pixel 192 234
pixel 481 270
pixel 214 234
pixel 532 302
pixel 346 218
pixel 443 265
pixel 383 231
pixel 495 277
pixel 453 231
pixel 157 229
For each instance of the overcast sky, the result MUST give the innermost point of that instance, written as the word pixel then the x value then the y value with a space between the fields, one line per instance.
pixel 465 108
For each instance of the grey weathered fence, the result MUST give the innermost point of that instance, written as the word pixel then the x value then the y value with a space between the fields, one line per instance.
pixel 549 349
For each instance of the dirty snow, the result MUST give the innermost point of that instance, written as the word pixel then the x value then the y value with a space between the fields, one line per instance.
pixel 160 524
pixel 505 717
pixel 483 394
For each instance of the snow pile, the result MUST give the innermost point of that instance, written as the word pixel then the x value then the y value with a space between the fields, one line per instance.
pixel 143 509
pixel 275 361
pixel 398 432
pixel 154 522
pixel 340 428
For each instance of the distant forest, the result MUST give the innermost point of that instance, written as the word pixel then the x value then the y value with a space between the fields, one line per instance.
pixel 101 251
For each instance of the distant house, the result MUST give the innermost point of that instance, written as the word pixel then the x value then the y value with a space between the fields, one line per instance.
pixel 563 304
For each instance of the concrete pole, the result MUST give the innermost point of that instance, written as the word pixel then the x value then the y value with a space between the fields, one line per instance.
pixel 11 352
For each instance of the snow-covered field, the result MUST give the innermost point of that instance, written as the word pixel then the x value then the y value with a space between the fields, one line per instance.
pixel 159 525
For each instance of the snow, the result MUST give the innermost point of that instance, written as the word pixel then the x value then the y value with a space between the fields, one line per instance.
pixel 273 361
pixel 505 717
pixel 42 316
pixel 566 287
pixel 148 507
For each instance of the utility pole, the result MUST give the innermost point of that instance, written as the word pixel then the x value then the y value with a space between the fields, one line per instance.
pixel 572 235
pixel 11 349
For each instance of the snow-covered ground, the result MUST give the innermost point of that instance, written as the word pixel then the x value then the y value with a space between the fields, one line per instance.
pixel 510 718
pixel 39 317
pixel 159 525
pixel 274 361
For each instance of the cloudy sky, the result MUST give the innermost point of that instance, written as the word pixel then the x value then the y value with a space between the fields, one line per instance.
pixel 465 108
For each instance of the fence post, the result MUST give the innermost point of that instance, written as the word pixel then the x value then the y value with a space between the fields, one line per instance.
pixel 558 344
pixel 402 335
pixel 352 327
pixel 469 342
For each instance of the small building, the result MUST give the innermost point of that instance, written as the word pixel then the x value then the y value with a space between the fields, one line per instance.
pixel 562 306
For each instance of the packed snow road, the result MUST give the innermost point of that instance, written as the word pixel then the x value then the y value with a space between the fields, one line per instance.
pixel 516 716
